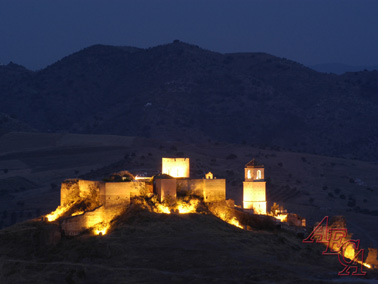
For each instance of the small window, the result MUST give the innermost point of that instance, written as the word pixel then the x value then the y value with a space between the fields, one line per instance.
pixel 258 174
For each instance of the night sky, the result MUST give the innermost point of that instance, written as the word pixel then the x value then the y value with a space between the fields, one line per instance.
pixel 36 33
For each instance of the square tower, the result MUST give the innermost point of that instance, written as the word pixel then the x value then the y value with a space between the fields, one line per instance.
pixel 176 167
pixel 254 188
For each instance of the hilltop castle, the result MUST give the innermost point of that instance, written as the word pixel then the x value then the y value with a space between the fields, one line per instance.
pixel 110 197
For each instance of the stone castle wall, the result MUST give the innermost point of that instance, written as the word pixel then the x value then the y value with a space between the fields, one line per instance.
pixel 191 186
pixel 214 190
pixel 73 189
pixel 118 193
pixel 73 226
pixel 211 190
pixel 113 197
pixel 166 188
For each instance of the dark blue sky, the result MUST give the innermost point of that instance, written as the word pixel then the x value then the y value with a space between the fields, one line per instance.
pixel 36 33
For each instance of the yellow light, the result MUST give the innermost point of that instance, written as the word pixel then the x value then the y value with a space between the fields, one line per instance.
pixel 142 178
pixel 349 250
pixel 235 223
pixel 281 217
pixel 160 208
pixel 180 207
pixel 101 229
pixel 59 211
pixel 77 213
pixel 185 208
pixel 225 216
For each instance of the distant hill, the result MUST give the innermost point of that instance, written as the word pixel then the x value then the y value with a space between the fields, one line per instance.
pixel 9 124
pixel 179 91
pixel 339 68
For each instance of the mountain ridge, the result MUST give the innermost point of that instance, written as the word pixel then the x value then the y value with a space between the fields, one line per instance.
pixel 179 91
pixel 340 68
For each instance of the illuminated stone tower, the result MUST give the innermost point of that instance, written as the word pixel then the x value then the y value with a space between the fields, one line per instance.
pixel 176 167
pixel 254 188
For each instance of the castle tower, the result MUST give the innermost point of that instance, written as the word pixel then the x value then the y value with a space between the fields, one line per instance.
pixel 176 167
pixel 254 188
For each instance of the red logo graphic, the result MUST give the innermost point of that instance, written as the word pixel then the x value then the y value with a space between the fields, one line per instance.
pixel 335 239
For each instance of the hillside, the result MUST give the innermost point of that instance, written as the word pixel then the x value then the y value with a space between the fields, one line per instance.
pixel 339 68
pixel 9 124
pixel 181 92
pixel 147 247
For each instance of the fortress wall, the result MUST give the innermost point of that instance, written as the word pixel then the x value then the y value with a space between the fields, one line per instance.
pixel 108 193
pixel 117 193
pixel 166 188
pixel 211 190
pixel 214 190
pixel 138 188
pixel 68 190
pixel 74 189
pixel 191 186
pixel 73 226
pixel 89 187
pixel 102 196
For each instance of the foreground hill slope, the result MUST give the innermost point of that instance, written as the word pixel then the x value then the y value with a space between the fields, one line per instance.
pixel 156 248
pixel 182 92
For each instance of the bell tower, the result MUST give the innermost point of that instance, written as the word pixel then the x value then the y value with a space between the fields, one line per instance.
pixel 254 188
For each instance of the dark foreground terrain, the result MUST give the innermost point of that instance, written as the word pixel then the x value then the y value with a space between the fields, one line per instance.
pixel 146 247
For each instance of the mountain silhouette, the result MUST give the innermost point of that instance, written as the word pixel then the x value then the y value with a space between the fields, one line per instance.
pixel 180 91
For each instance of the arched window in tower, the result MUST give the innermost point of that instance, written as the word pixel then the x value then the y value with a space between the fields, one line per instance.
pixel 249 174
pixel 258 174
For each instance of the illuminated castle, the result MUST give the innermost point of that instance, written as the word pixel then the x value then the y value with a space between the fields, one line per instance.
pixel 109 198
pixel 254 188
